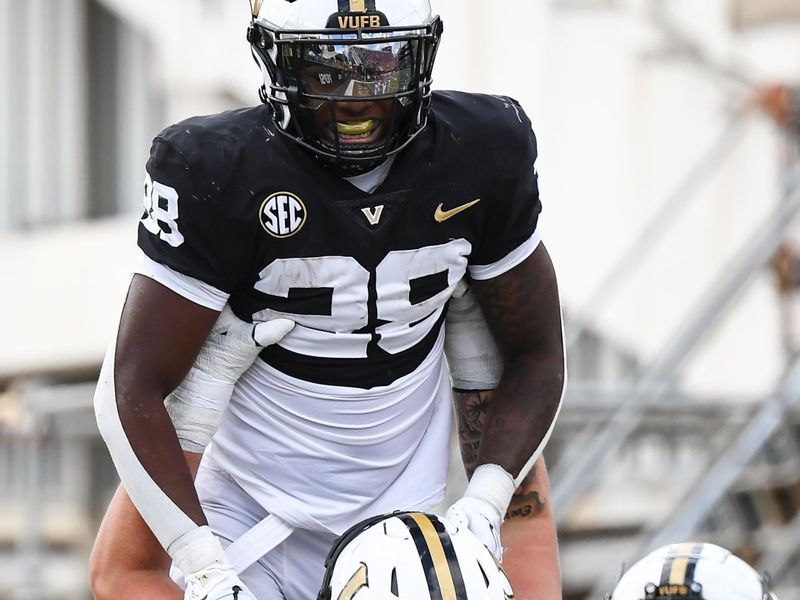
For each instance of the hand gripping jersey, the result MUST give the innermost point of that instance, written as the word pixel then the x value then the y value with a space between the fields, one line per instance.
pixel 349 412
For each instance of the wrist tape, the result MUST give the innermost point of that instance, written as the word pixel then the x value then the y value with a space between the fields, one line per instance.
pixel 492 484
pixel 197 550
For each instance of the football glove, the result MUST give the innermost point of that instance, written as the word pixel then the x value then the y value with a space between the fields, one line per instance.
pixel 196 406
pixel 482 519
pixel 216 583
pixel 483 506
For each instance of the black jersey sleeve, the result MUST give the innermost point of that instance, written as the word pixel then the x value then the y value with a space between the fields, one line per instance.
pixel 186 223
pixel 512 214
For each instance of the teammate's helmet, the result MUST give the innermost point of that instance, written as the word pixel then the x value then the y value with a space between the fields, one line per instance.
pixel 691 571
pixel 319 57
pixel 411 556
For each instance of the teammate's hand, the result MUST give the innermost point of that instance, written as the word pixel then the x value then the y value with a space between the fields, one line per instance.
pixel 233 345
pixel 216 583
pixel 197 405
pixel 482 519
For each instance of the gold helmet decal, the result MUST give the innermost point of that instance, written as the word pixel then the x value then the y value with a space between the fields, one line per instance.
pixel 357 14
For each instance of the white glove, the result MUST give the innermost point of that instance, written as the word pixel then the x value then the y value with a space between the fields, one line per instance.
pixel 210 576
pixel 484 504
pixel 216 583
pixel 196 406
pixel 482 519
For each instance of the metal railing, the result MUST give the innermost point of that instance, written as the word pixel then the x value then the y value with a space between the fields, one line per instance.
pixel 574 477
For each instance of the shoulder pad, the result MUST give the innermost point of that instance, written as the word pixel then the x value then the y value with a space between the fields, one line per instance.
pixel 211 147
pixel 496 126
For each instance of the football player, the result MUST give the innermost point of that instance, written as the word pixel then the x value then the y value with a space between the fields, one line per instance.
pixel 338 217
pixel 691 571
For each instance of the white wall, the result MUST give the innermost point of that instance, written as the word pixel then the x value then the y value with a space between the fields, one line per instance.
pixel 62 292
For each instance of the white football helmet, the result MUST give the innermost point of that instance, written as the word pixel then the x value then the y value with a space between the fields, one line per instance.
pixel 691 571
pixel 411 556
pixel 321 58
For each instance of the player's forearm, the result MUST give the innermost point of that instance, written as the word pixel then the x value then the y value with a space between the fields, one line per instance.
pixel 529 531
pixel 152 436
pixel 522 310
pixel 529 537
pixel 145 450
pixel 521 415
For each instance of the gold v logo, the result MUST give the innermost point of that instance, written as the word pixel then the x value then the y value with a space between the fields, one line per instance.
pixel 373 214
pixel 442 215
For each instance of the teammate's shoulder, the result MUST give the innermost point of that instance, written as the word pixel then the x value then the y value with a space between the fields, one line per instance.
pixel 483 118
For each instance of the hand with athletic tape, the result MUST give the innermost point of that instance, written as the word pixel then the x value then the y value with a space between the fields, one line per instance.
pixel 216 583
pixel 200 558
pixel 483 506
pixel 196 406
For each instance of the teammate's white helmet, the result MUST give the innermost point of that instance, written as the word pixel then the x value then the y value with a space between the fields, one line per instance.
pixel 411 556
pixel 691 571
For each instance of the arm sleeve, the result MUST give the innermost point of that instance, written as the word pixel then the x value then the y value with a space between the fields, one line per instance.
pixel 185 224
pixel 511 232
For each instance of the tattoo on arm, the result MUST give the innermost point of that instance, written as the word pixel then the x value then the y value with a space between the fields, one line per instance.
pixel 529 498
pixel 471 409
pixel 522 310
pixel 471 406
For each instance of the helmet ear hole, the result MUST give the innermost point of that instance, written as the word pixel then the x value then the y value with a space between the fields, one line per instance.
pixel 393 588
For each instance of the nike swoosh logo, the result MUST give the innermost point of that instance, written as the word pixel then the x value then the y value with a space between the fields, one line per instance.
pixel 442 215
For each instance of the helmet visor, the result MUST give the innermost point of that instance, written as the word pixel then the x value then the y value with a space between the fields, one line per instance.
pixel 368 69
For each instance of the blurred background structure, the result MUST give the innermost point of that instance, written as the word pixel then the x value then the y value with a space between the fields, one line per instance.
pixel 669 182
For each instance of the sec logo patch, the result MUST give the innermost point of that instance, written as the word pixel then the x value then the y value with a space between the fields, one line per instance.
pixel 282 214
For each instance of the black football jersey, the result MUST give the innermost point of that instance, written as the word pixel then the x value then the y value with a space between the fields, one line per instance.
pixel 366 276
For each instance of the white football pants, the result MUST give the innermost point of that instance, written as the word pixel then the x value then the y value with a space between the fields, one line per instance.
pixel 290 571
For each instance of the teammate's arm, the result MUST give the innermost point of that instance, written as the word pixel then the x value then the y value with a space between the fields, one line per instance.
pixel 127 561
pixel 529 533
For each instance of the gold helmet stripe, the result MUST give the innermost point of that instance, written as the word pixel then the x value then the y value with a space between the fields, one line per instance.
pixel 681 563
pixel 355 583
pixel 358 6
pixel 255 7
pixel 441 565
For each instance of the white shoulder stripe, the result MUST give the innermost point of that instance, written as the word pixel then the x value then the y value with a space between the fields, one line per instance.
pixel 190 288
pixel 509 261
